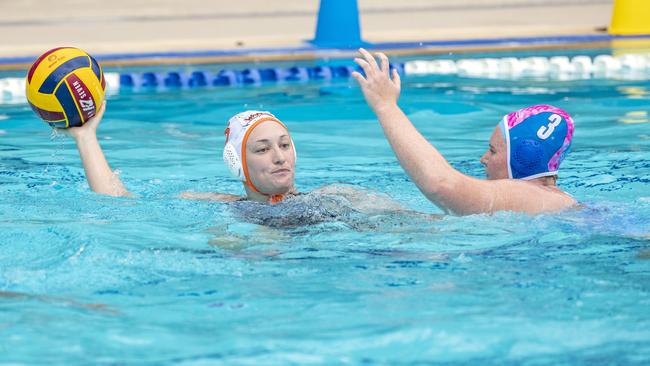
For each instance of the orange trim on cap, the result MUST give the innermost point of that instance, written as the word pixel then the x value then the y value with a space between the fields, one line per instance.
pixel 243 154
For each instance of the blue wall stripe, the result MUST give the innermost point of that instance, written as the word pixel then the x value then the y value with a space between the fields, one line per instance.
pixel 60 72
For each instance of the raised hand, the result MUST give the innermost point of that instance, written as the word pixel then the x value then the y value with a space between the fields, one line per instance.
pixel 89 128
pixel 380 90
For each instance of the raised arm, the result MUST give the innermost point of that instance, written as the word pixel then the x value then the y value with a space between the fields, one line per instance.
pixel 428 169
pixel 101 178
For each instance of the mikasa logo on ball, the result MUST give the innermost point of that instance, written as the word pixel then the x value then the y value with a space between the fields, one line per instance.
pixel 54 60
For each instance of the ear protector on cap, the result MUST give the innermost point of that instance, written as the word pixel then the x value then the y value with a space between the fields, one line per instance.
pixel 527 155
pixel 232 161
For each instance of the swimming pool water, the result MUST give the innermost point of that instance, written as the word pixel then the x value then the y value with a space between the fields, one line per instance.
pixel 157 280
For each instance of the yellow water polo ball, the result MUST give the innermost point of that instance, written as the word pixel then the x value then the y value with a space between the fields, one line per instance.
pixel 65 87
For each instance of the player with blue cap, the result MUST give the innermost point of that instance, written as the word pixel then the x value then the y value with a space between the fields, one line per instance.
pixel 521 163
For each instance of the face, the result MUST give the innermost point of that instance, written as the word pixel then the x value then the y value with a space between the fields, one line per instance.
pixel 495 158
pixel 270 158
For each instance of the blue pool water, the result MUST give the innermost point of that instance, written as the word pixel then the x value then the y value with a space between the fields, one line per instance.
pixel 157 280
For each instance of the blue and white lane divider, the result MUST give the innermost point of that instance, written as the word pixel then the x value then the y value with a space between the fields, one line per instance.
pixel 629 66
pixel 13 89
pixel 232 77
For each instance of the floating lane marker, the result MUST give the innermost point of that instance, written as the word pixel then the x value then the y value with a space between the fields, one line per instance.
pixel 234 77
pixel 629 66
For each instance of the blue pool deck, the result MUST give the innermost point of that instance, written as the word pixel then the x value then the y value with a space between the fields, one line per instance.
pixel 125 32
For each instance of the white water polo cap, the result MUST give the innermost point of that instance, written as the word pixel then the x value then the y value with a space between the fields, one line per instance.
pixel 237 131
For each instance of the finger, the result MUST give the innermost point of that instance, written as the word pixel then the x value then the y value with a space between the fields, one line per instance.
pixel 397 81
pixel 385 66
pixel 364 65
pixel 371 60
pixel 102 109
pixel 100 112
pixel 357 75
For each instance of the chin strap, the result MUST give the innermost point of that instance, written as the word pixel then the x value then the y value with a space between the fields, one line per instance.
pixel 276 198
pixel 273 198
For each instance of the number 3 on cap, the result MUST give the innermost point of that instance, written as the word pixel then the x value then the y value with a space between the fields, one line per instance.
pixel 545 132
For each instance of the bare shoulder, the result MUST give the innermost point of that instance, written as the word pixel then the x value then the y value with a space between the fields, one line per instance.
pixel 210 196
pixel 526 196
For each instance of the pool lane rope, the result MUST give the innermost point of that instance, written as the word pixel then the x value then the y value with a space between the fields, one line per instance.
pixel 624 67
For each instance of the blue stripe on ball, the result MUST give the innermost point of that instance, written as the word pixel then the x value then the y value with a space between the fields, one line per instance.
pixel 60 72
pixel 96 69
pixel 64 96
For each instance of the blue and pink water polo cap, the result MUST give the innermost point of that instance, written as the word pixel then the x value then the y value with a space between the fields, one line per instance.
pixel 537 140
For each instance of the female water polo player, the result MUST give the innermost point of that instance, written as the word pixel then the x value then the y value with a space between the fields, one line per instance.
pixel 522 161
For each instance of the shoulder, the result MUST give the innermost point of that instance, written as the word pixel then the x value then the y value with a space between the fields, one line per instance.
pixel 210 196
pixel 526 196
